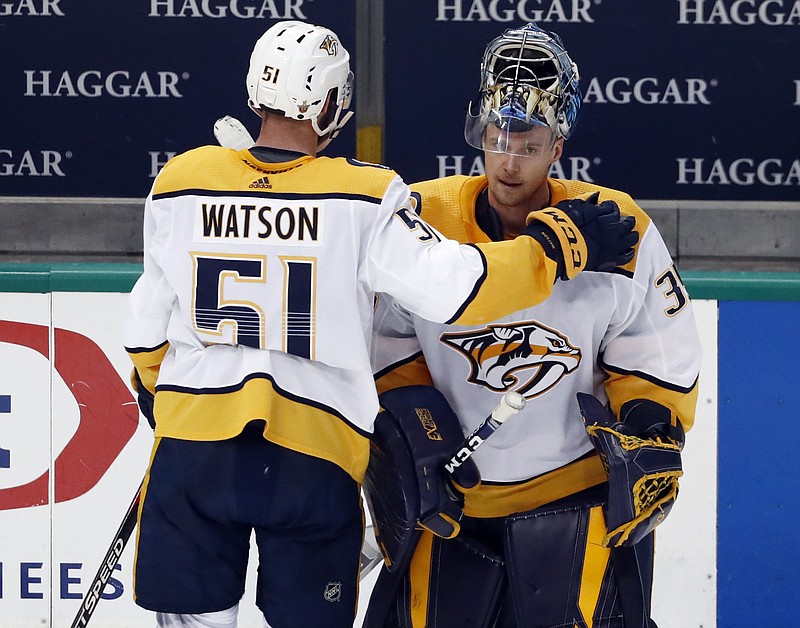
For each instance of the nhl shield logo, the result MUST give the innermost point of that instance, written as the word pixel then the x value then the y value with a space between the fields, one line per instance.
pixel 333 591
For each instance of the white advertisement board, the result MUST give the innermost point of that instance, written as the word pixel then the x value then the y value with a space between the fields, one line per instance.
pixel 73 451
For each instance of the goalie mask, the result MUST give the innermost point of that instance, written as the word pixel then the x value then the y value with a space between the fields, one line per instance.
pixel 294 68
pixel 527 79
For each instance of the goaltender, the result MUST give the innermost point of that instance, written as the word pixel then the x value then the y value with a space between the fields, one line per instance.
pixel 560 504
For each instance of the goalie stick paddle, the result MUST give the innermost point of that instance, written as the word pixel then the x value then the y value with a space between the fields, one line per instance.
pixel 110 560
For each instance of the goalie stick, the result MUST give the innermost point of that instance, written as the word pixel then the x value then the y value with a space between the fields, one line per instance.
pixel 110 560
pixel 510 404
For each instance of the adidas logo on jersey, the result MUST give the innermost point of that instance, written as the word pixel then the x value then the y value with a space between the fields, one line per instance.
pixel 262 183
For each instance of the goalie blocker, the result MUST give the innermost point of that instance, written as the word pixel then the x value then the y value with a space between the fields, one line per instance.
pixel 405 485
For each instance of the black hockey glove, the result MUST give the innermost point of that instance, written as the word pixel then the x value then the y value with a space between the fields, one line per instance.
pixel 580 234
pixel 145 399
pixel 642 455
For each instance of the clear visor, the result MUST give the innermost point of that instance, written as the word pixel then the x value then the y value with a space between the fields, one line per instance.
pixel 494 132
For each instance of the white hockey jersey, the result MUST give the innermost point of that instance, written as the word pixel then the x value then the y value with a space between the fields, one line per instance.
pixel 257 296
pixel 620 336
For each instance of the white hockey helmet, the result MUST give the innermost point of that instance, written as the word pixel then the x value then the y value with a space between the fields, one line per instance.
pixel 294 67
pixel 527 79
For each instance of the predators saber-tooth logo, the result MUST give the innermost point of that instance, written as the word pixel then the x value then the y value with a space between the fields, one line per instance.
pixel 526 357
pixel 330 45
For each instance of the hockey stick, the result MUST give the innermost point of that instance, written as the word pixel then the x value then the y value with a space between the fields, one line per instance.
pixel 511 403
pixel 230 133
pixel 110 561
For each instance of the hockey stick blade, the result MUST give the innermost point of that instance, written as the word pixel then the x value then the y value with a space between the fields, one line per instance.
pixel 230 133
pixel 110 561
pixel 511 403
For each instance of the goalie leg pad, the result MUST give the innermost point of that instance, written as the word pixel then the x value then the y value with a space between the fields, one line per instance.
pixel 405 484
pixel 561 574
pixel 450 582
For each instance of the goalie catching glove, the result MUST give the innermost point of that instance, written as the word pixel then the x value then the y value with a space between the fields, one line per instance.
pixel 580 234
pixel 642 456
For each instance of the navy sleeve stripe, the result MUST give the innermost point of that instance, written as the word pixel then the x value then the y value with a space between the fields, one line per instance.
pixel 268 195
pixel 645 376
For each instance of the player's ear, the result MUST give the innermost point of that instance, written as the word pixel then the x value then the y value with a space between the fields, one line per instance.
pixel 558 150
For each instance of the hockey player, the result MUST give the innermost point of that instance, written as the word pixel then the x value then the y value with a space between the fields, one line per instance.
pixel 249 331
pixel 558 532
